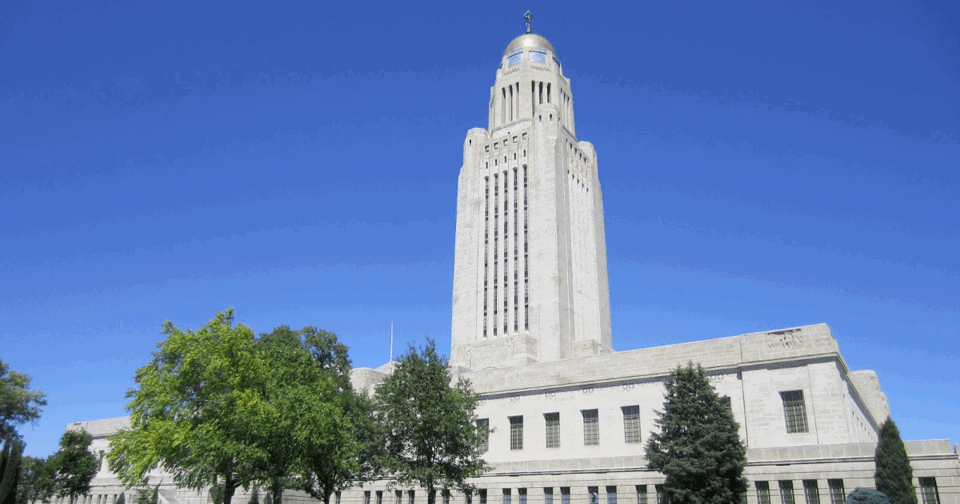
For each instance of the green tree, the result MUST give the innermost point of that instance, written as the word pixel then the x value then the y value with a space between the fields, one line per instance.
pixel 314 425
pixel 894 476
pixel 867 496
pixel 431 436
pixel 36 481
pixel 10 468
pixel 18 404
pixel 190 410
pixel 74 465
pixel 698 447
pixel 148 495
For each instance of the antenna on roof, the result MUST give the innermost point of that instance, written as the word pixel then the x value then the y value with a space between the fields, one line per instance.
pixel 391 340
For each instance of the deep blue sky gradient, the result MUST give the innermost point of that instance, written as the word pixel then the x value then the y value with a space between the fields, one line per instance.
pixel 765 164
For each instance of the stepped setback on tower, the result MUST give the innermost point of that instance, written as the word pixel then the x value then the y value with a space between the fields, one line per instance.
pixel 530 272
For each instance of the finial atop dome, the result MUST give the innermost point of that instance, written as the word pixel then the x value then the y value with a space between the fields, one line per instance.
pixel 529 19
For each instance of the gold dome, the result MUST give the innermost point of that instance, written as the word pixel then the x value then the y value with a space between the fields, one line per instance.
pixel 529 40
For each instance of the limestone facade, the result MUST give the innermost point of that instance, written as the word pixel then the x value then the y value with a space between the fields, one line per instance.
pixel 530 271
pixel 531 332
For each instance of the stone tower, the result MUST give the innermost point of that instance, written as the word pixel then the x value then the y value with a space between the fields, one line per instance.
pixel 530 270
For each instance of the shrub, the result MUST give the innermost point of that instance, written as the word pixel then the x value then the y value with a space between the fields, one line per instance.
pixel 867 496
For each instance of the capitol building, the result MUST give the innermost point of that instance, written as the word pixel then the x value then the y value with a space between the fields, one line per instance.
pixel 531 331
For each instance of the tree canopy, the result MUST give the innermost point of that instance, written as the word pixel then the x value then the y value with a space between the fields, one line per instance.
pixel 74 465
pixel 221 408
pixel 313 421
pixel 18 404
pixel 698 447
pixel 429 425
pixel 893 476
pixel 36 480
pixel 192 407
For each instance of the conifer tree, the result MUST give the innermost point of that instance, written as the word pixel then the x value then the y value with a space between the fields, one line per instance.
pixel 894 476
pixel 10 469
pixel 698 447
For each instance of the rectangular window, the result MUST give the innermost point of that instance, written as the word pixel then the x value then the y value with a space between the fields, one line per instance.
pixel 594 495
pixel 611 495
pixel 467 497
pixel 338 498
pixel 399 496
pixel 641 494
pixel 928 490
pixel 483 495
pixel 662 497
pixel 446 496
pixel 366 497
pixel 483 425
pixel 810 492
pixel 521 492
pixel 506 496
pixel 725 401
pixel 548 495
pixel 553 429
pixel 516 433
pixel 763 492
pixel 410 496
pixel 591 427
pixel 631 424
pixel 837 495
pixel 786 492
pixel 564 495
pixel 379 496
pixel 794 411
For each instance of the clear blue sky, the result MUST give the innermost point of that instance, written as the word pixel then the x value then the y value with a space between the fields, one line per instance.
pixel 764 164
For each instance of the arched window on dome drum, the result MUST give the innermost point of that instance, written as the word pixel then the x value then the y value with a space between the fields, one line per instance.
pixel 538 57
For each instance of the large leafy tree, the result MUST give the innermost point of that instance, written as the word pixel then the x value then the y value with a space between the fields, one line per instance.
pixel 432 439
pixel 36 481
pixel 318 430
pixel 74 465
pixel 191 410
pixel 18 404
pixel 698 447
pixel 894 476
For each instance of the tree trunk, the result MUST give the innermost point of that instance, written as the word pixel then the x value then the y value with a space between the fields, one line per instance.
pixel 229 488
pixel 276 491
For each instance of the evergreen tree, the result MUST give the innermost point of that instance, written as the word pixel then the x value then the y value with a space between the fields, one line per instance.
pixel 10 469
pixel 698 447
pixel 894 476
